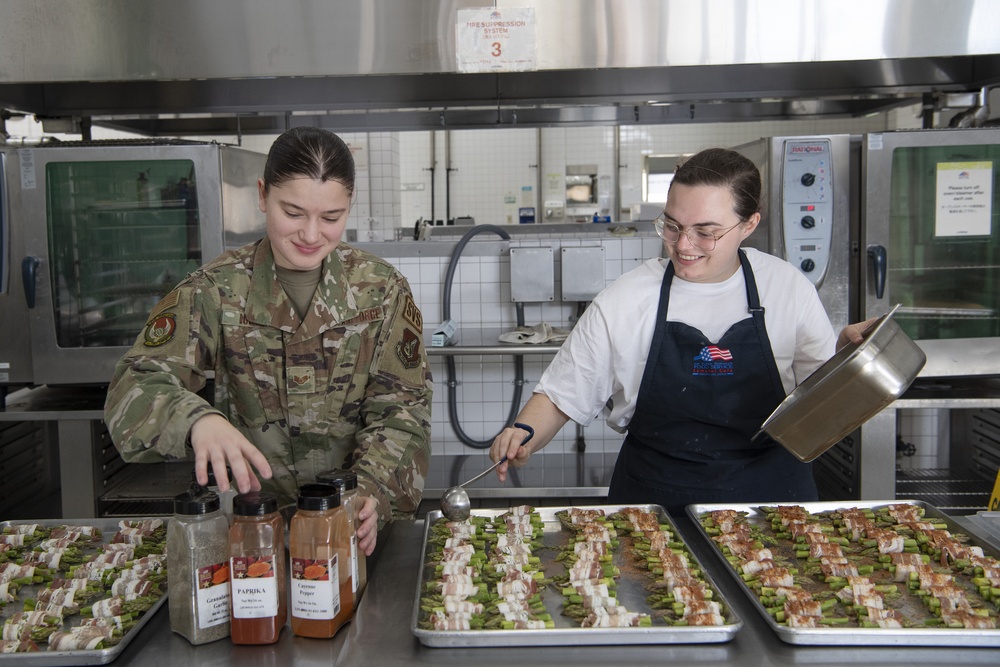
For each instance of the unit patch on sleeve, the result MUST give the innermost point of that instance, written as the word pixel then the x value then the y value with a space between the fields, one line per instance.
pixel 412 314
pixel 160 330
pixel 408 349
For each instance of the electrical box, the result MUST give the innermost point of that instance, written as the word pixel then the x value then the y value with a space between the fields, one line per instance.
pixel 582 273
pixel 532 274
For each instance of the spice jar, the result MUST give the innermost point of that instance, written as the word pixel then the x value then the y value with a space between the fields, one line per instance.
pixel 198 562
pixel 225 497
pixel 321 563
pixel 347 482
pixel 257 565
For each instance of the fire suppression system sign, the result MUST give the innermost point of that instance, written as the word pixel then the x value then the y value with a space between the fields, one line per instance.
pixel 495 40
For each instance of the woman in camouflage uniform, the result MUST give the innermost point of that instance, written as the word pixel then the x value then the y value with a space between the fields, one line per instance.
pixel 315 348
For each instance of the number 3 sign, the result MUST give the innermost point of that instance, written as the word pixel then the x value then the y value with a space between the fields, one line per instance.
pixel 495 40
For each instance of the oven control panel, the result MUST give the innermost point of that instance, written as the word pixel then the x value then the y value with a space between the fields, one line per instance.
pixel 807 206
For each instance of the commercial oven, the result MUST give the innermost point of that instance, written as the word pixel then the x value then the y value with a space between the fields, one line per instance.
pixel 909 217
pixel 95 233
pixel 810 212
pixel 931 233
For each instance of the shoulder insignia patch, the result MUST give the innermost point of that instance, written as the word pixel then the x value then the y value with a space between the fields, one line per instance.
pixel 412 314
pixel 167 302
pixel 160 330
pixel 408 349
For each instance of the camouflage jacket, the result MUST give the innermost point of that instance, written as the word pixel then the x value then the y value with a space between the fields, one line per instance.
pixel 348 386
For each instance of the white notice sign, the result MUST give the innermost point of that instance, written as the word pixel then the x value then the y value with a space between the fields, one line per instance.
pixel 964 198
pixel 495 40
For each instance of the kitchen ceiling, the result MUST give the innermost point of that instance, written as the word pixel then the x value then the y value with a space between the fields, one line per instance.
pixel 189 68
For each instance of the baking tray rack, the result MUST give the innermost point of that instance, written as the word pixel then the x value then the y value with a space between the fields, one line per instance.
pixel 631 593
pixel 854 635
pixel 44 658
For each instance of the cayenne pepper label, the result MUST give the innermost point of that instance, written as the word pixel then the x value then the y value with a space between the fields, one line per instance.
pixel 315 588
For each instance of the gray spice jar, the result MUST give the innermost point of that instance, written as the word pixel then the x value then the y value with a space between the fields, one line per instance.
pixel 198 567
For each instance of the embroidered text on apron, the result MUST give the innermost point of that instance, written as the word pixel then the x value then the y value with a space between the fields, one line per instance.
pixel 698 407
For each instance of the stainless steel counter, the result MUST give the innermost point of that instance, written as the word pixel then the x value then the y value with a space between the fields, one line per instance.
pixel 380 634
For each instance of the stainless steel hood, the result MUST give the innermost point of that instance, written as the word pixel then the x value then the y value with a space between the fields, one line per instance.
pixel 189 67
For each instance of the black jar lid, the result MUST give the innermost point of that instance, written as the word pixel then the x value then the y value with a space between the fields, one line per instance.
pixel 255 503
pixel 318 497
pixel 345 480
pixel 196 501
pixel 211 477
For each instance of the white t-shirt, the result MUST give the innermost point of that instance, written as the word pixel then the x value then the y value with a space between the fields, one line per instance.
pixel 605 355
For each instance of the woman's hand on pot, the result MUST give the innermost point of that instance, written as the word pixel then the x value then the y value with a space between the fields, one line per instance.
pixel 854 333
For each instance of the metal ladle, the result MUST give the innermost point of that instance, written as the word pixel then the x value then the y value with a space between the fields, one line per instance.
pixel 455 503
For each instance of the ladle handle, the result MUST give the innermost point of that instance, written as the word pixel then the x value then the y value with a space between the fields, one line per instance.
pixel 523 427
pixel 485 472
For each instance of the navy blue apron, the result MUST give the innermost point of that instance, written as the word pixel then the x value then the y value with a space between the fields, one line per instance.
pixel 698 408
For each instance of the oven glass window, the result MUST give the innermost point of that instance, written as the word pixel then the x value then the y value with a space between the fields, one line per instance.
pixel 944 250
pixel 121 235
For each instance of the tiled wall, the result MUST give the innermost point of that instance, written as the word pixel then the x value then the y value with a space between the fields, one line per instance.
pixel 481 297
pixel 489 174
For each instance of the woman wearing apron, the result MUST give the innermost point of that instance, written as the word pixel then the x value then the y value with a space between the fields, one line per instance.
pixel 694 351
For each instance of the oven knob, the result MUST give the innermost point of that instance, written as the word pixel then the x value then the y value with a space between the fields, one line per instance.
pixel 808 265
pixel 808 222
pixel 808 179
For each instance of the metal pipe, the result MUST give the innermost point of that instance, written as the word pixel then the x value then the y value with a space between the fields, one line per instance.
pixel 539 203
pixel 433 165
pixel 447 176
pixel 615 206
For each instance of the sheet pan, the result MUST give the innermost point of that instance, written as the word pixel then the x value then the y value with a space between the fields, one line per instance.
pixel 855 636
pixel 632 593
pixel 108 526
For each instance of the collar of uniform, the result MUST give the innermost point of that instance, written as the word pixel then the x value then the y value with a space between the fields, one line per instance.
pixel 268 305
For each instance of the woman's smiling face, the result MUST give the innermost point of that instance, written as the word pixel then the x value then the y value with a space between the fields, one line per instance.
pixel 306 219
pixel 707 209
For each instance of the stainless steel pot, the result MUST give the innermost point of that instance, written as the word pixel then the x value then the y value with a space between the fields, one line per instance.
pixel 853 386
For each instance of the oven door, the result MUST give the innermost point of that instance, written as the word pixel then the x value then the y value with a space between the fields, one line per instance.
pixel 109 231
pixel 15 346
pixel 931 232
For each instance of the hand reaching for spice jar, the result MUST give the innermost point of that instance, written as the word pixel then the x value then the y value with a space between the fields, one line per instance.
pixel 367 528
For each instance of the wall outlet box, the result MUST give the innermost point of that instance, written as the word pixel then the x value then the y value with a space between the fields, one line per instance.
pixel 582 273
pixel 444 334
pixel 532 274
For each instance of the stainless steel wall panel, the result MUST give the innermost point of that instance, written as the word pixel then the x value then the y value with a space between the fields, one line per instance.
pixel 150 40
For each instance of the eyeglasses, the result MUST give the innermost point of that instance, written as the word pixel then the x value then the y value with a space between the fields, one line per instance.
pixel 702 239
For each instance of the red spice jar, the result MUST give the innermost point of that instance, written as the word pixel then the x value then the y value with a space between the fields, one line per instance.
pixel 257 569
pixel 320 549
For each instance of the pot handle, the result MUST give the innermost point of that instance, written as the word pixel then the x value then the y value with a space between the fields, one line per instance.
pixel 877 255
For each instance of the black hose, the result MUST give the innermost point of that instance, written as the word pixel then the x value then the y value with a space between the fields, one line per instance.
pixel 452 384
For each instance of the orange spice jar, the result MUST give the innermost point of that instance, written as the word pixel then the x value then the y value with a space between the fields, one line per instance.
pixel 320 550
pixel 257 569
